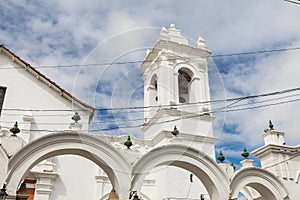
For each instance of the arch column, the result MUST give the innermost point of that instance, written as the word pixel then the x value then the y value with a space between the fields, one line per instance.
pixel 85 145
pixel 269 187
pixel 190 159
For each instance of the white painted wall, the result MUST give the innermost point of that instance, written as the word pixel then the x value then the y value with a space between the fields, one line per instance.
pixel 25 92
pixel 76 178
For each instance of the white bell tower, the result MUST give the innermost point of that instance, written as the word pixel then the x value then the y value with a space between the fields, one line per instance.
pixel 176 88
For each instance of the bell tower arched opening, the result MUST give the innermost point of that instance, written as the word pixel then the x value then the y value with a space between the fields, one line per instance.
pixel 153 91
pixel 184 85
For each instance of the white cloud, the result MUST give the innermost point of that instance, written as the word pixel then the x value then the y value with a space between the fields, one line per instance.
pixel 64 33
pixel 272 73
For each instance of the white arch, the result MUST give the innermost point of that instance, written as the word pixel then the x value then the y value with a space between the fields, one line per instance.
pixel 188 66
pixel 85 145
pixel 188 158
pixel 261 180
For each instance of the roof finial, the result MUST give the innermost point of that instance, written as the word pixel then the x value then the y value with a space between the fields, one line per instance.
pixel 76 117
pixel 175 132
pixel 245 153
pixel 128 142
pixel 271 126
pixel 15 129
pixel 201 42
pixel 221 157
pixel 172 26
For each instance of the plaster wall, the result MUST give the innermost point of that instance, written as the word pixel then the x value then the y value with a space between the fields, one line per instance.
pixel 293 187
pixel 174 182
pixel 27 96
pixel 76 178
pixel 41 110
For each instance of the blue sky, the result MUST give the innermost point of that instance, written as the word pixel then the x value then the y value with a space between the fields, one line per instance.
pixel 79 32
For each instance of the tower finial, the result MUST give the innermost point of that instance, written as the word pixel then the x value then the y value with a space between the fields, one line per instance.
pixel 245 153
pixel 271 126
pixel 172 26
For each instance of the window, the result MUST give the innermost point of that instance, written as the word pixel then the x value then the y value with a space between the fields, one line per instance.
pixel 184 80
pixel 2 94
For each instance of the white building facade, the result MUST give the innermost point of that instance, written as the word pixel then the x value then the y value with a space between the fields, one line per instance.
pixel 55 158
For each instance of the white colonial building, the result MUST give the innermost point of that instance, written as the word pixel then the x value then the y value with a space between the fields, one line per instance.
pixel 56 158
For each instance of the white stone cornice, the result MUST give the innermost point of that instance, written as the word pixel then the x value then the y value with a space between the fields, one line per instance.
pixel 50 175
pixel 174 112
pixel 273 132
pixel 182 137
pixel 247 163
pixel 272 148
pixel 173 48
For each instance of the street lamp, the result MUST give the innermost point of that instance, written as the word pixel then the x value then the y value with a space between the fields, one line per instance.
pixel 135 195
pixel 202 196
pixel 3 193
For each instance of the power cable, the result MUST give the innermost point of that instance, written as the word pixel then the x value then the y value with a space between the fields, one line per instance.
pixel 124 121
pixel 167 105
pixel 140 61
pixel 262 106
pixel 217 110
pixel 142 111
pixel 274 99
pixel 172 120
pixel 290 158
pixel 290 1
pixel 196 115
pixel 257 52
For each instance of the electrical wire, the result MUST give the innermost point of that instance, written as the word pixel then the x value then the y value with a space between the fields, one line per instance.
pixel 140 61
pixel 217 110
pixel 167 105
pixel 257 52
pixel 290 1
pixel 171 120
pixel 262 106
pixel 290 158
pixel 143 111
pixel 274 99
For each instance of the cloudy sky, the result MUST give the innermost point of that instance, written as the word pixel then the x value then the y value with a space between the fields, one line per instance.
pixel 62 39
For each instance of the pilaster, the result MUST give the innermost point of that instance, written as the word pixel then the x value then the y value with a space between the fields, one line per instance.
pixel 228 169
pixel 247 163
pixel 27 122
pixel 44 185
